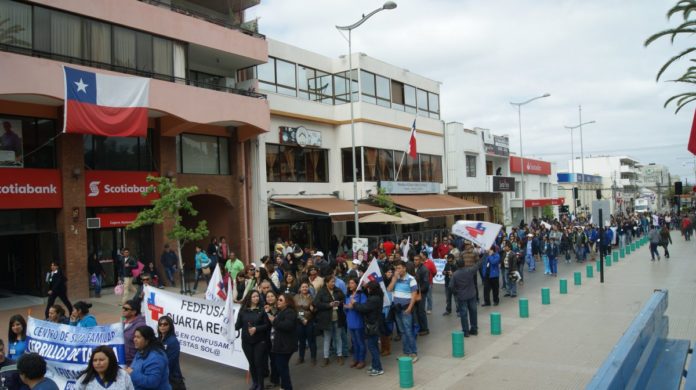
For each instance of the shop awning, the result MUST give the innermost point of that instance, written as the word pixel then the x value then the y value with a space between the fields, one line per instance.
pixel 336 209
pixel 437 205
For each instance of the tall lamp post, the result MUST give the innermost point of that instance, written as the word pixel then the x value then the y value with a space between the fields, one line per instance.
pixel 582 152
pixel 519 120
pixel 386 6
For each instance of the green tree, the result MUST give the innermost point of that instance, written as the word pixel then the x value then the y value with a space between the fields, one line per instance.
pixel 172 202
pixel 385 201
pixel 547 212
pixel 686 28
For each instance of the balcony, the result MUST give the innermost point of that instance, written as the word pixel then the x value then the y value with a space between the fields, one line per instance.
pixel 628 182
pixel 627 169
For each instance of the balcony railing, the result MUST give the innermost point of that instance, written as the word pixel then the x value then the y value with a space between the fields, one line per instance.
pixel 247 28
pixel 136 72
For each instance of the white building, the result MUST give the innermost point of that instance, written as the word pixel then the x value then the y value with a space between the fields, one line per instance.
pixel 621 176
pixel 540 189
pixel 658 181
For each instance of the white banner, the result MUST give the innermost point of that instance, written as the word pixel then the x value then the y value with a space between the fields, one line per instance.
pixel 68 349
pixel 440 276
pixel 479 232
pixel 374 274
pixel 202 326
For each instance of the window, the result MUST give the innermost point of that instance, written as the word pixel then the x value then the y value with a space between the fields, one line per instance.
pixel 436 162
pixel 285 163
pixel 410 98
pixel 434 105
pixel 124 47
pixel 203 154
pixel 383 95
pixel 266 75
pixel 206 80
pixel 368 89
pixel 470 165
pixel 341 86
pixel 286 78
pixel 422 102
pixel 118 153
pixel 163 57
pixel 143 52
pixel 26 142
pixel 315 85
pixel 386 164
pixel 18 24
pixel 347 164
pixel 518 190
pixel 397 94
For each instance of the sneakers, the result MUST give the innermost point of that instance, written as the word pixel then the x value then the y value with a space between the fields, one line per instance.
pixel 473 332
pixel 414 357
pixel 429 312
pixel 372 372
pixel 446 313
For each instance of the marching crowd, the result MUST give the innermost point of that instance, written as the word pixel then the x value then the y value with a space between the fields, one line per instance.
pixel 299 294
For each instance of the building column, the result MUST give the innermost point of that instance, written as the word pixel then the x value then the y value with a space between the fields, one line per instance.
pixel 165 155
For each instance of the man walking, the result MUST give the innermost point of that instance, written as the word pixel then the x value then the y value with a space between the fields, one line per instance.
pixel 449 270
pixel 127 265
pixel 169 261
pixel 463 286
pixel 655 238
pixel 404 288
pixel 490 271
pixel 423 279
pixel 510 264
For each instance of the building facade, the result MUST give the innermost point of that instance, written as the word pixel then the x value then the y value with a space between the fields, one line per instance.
pixel 579 191
pixel 621 175
pixel 540 189
pixel 203 125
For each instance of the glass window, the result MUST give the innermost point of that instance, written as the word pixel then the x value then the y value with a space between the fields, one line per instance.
pixel 413 170
pixel 436 163
pixel 324 87
pixel 517 189
pixel 143 49
pixel 266 72
pixel 367 82
pixel 285 163
pixel 470 165
pixel 27 142
pixel 118 153
pixel 397 92
pixel 124 47
pixel 433 102
pixel 386 164
pixel 410 98
pixel 425 168
pixel 203 154
pixel 422 100
pixel 401 166
pixel 371 164
pixel 97 41
pixel 286 77
pixel 17 24
pixel 163 57
pixel 179 60
pixel 66 34
pixel 347 164
pixel 383 86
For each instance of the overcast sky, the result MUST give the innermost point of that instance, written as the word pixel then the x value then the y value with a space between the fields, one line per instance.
pixel 490 53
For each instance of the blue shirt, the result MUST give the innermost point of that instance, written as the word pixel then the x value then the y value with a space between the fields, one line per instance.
pixel 46 384
pixel 341 285
pixel 403 288
pixel 16 349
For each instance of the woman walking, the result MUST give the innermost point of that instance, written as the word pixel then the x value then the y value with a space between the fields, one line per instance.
pixel 330 317
pixel 150 368
pixel 284 339
pixel 255 328
pixel 371 310
pixel 167 336
pixel 103 372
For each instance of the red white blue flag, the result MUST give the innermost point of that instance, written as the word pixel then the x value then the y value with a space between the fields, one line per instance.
pixel 374 274
pixel 412 142
pixel 481 233
pixel 106 105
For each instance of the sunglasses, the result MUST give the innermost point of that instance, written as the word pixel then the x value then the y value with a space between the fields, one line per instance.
pixel 127 308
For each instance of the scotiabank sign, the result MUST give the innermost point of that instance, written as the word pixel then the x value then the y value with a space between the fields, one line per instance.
pixel 532 167
pixel 117 188
pixel 543 202
pixel 30 189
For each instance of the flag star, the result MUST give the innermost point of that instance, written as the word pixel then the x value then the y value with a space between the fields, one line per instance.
pixel 81 86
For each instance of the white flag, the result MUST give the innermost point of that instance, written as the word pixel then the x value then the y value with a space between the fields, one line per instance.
pixel 374 274
pixel 481 233
pixel 546 225
pixel 228 317
pixel 216 290
pixel 405 249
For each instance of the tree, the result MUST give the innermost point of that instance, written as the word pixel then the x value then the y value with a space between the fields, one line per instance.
pixel 688 28
pixel 172 201
pixel 385 201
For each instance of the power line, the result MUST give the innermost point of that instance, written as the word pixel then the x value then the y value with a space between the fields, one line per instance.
pixel 614 150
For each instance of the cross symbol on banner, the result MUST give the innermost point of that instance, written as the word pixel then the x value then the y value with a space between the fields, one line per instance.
pixel 155 311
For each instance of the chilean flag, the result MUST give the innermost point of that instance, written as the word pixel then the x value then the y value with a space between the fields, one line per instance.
pixel 412 142
pixel 692 138
pixel 106 105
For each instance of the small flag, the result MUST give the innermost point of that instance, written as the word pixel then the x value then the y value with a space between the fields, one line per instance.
pixel 412 142
pixel 106 105
pixel 692 138
pixel 374 274
pixel 228 316
pixel 216 291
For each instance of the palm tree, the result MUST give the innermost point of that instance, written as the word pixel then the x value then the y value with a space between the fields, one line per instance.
pixel 685 7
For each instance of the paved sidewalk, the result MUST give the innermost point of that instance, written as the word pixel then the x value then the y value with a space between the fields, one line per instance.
pixel 559 347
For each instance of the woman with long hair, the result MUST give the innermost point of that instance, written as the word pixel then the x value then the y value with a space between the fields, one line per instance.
pixel 371 310
pixel 103 372
pixel 150 368
pixel 167 336
pixel 80 316
pixel 16 337
pixel 289 285
pixel 305 323
pixel 284 341
pixel 56 314
pixel 355 323
pixel 255 327
pixel 330 317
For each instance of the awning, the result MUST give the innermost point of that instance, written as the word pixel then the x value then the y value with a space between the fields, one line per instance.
pixel 410 219
pixel 379 218
pixel 437 205
pixel 336 209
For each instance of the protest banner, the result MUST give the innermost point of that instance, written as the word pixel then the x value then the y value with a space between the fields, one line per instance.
pixel 67 349
pixel 439 277
pixel 374 274
pixel 204 328
pixel 481 233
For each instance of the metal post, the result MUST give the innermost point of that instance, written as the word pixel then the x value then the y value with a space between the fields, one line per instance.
pixel 519 120
pixel 582 156
pixel 572 171
pixel 601 252
pixel 352 135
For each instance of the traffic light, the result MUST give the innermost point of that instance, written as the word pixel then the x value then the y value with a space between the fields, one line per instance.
pixel 599 194
pixel 564 209
pixel 577 203
pixel 575 192
pixel 677 188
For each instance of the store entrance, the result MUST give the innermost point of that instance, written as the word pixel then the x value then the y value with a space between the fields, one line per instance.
pixel 24 260
pixel 108 243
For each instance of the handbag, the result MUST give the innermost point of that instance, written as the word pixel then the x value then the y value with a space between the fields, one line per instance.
pixel 93 280
pixel 371 329
pixel 206 271
pixel 138 270
pixel 118 290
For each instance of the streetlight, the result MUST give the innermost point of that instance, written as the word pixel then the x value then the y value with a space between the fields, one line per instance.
pixel 519 119
pixel 582 153
pixel 387 6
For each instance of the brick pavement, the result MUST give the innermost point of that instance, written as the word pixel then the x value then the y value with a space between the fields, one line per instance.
pixel 559 347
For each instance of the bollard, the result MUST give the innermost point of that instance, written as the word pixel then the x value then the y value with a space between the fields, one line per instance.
pixel 563 287
pixel 405 372
pixel 607 261
pixel 577 278
pixel 545 296
pixel 524 308
pixel 633 247
pixel 622 253
pixel 615 255
pixel 588 271
pixel 496 327
pixel 628 250
pixel 458 344
pixel 598 265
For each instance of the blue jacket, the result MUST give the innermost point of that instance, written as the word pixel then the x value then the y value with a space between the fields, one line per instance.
pixel 202 259
pixel 492 263
pixel 150 372
pixel 353 318
pixel 171 346
pixel 16 349
pixel 87 322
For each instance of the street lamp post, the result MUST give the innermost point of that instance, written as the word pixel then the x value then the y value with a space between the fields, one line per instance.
pixel 519 121
pixel 582 152
pixel 387 6
pixel 572 170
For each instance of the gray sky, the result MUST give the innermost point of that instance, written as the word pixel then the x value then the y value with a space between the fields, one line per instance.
pixel 489 53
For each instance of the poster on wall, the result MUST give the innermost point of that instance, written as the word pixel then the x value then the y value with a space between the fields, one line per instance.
pixel 11 144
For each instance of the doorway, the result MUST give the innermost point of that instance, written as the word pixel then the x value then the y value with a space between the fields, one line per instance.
pixel 24 259
pixel 108 243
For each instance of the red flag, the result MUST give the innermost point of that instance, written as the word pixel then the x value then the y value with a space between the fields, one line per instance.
pixel 692 138
pixel 412 142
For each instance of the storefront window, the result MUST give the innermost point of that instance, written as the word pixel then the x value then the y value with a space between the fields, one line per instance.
pixel 118 153
pixel 347 164
pixel 286 163
pixel 202 154
pixel 27 142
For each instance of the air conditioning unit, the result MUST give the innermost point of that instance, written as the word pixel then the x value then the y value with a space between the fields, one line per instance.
pixel 93 223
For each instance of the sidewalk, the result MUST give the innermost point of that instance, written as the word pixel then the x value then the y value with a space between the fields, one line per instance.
pixel 560 346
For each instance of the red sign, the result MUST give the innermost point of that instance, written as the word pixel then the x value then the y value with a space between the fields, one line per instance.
pixel 532 167
pixel 117 188
pixel 543 202
pixel 30 189
pixel 112 220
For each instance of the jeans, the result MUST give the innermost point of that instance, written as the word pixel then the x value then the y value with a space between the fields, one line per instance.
pixel 374 352
pixel 553 265
pixel 530 262
pixel 448 297
pixel 653 251
pixel 357 338
pixel 199 273
pixel 98 285
pixel 408 338
pixel 489 285
pixel 170 275
pixel 329 334
pixel 429 298
pixel 420 312
pixel 666 251
pixel 256 355
pixel 547 267
pixel 468 315
pixel 511 286
pixel 306 337
pixel 281 361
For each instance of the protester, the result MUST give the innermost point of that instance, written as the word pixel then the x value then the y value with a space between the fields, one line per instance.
pixel 56 314
pixel 305 324
pixel 127 265
pixel 371 310
pixel 490 271
pixel 289 284
pixel 151 271
pixel 10 379
pixel 103 372
pixel 57 287
pixel 96 273
pixel 80 315
pixel 150 368
pixel 463 286
pixel 202 264
pixel 355 323
pixel 233 265
pixel 405 289
pixel 167 336
pixel 169 261
pixel 450 267
pixel 655 240
pixel 665 239
pixel 284 340
pixel 330 317
pixel 32 371
pixel 552 253
pixel 132 320
pixel 510 264
pixel 423 279
pixel 16 337
pixel 255 330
